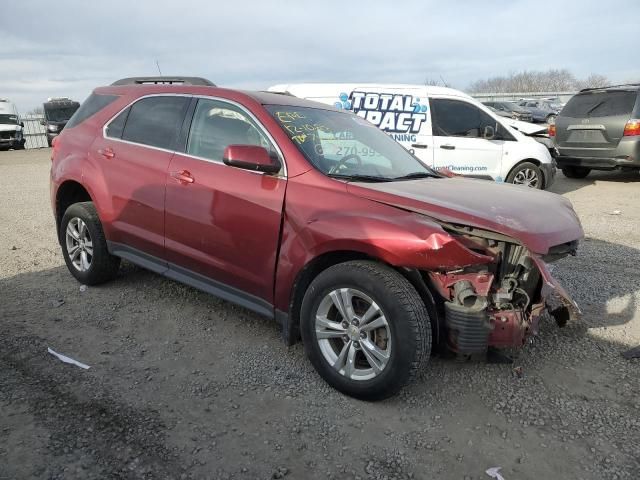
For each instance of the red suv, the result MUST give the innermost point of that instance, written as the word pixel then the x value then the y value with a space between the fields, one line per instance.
pixel 311 216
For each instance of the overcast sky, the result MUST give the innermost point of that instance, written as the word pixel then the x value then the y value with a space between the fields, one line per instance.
pixel 66 48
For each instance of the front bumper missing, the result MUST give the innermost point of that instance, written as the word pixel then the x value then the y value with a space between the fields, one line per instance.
pixel 557 301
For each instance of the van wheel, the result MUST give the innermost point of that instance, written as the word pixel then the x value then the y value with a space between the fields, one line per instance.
pixel 575 172
pixel 365 329
pixel 527 174
pixel 84 246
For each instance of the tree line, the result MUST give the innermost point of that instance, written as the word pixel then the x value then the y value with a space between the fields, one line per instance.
pixel 553 80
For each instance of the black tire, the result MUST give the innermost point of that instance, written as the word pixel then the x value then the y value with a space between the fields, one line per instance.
pixel 408 323
pixel 575 172
pixel 522 170
pixel 103 266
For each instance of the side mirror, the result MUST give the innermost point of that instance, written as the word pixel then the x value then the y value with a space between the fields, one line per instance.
pixel 43 123
pixel 251 157
pixel 489 132
pixel 22 124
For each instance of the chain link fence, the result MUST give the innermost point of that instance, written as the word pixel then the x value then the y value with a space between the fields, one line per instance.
pixel 34 132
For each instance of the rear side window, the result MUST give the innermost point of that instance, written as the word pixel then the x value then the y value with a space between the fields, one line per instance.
pixel 453 118
pixel 116 127
pixel 155 121
pixel 600 104
pixel 90 107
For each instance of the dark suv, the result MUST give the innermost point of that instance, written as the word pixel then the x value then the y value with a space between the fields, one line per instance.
pixel 311 216
pixel 57 112
pixel 599 129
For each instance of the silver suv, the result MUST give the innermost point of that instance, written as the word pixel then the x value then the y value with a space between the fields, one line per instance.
pixel 599 129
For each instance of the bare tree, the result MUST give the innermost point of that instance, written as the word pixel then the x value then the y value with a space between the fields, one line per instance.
pixel 594 81
pixel 553 80
pixel 36 111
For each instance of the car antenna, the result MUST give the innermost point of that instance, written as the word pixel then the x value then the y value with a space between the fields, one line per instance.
pixel 158 65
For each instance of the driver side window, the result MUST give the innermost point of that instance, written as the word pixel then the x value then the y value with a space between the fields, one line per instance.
pixel 455 118
pixel 217 125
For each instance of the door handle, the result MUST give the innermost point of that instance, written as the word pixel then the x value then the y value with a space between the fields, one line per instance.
pixel 448 146
pixel 419 145
pixel 183 177
pixel 107 152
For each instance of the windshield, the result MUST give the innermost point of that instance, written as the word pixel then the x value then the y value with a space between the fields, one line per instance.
pixel 8 119
pixel 60 114
pixel 344 145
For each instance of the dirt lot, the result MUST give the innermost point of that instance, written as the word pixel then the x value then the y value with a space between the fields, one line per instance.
pixel 183 385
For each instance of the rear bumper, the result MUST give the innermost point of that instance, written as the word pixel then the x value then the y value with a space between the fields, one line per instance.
pixel 625 155
pixel 598 163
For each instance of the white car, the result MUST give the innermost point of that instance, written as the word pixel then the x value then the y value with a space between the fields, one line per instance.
pixel 11 128
pixel 443 127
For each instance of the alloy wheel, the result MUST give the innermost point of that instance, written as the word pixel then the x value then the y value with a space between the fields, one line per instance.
pixel 79 244
pixel 527 177
pixel 353 334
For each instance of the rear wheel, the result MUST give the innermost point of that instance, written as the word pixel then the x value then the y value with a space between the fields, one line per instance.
pixel 575 172
pixel 527 174
pixel 84 246
pixel 365 329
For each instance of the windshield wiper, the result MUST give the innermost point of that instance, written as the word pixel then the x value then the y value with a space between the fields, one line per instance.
pixel 359 178
pixel 416 175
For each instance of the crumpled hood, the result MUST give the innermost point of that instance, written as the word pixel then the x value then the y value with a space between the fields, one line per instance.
pixel 537 219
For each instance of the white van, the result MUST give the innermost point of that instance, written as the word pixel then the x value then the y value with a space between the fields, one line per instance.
pixel 443 127
pixel 11 128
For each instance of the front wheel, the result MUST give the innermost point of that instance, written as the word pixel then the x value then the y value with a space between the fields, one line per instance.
pixel 84 246
pixel 575 172
pixel 365 329
pixel 527 174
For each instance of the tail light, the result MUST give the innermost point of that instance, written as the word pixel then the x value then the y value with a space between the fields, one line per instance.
pixel 551 130
pixel 632 128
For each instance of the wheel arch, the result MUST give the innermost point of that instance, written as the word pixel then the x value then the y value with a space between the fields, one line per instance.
pixel 535 161
pixel 68 193
pixel 318 264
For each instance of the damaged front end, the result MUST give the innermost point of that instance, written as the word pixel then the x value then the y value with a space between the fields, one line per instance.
pixel 499 303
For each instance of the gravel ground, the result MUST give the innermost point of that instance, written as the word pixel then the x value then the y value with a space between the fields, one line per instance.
pixel 183 385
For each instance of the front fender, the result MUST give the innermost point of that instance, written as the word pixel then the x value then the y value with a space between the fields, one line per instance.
pixel 389 234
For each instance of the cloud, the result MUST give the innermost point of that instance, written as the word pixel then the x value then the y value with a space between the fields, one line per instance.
pixel 69 47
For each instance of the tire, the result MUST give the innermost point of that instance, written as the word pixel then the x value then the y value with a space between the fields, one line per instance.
pixel 527 174
pixel 575 172
pixel 402 334
pixel 100 266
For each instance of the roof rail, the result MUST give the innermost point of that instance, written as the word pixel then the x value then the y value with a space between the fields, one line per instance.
pixel 165 81
pixel 611 86
pixel 286 92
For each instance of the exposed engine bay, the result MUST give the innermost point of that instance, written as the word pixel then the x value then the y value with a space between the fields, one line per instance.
pixel 499 304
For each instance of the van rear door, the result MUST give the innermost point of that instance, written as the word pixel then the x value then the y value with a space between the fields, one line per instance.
pixel 592 123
